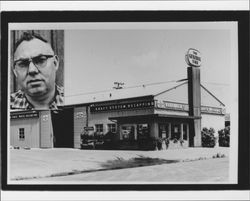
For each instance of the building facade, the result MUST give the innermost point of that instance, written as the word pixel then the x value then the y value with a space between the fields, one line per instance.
pixel 173 111
pixel 31 129
pixel 155 112
pixel 163 114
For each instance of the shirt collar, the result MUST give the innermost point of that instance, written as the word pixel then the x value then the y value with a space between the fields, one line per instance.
pixel 19 100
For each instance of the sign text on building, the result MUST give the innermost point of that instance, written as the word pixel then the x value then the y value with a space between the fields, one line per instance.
pixel 24 115
pixel 184 107
pixel 80 115
pixel 172 105
pixel 89 128
pixel 122 106
pixel 212 110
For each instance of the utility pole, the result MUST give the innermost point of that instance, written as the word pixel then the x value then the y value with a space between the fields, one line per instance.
pixel 118 85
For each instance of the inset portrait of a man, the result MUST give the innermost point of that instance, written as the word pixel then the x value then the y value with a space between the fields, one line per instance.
pixel 37 65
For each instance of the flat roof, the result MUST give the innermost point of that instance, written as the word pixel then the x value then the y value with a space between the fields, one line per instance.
pixel 118 94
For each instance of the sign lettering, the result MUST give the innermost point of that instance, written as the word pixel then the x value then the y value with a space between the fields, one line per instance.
pixel 90 128
pixel 193 57
pixel 212 110
pixel 172 106
pixel 124 106
pixel 185 107
pixel 24 115
pixel 80 115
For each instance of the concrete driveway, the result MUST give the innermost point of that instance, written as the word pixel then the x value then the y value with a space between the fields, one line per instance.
pixel 201 171
pixel 44 163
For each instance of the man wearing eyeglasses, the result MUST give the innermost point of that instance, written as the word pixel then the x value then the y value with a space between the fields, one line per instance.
pixel 35 66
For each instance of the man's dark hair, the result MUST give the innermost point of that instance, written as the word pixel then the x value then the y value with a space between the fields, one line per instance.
pixel 26 36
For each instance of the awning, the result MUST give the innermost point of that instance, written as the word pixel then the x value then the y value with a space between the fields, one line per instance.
pixel 151 117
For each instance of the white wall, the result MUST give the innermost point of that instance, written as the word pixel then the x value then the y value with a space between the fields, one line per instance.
pixel 46 130
pixel 80 120
pixel 31 129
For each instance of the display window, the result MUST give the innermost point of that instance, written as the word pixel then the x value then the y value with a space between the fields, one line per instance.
pixel 142 131
pixel 128 132
pixel 99 128
pixel 111 128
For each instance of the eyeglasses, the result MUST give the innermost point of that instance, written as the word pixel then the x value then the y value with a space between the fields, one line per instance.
pixel 39 61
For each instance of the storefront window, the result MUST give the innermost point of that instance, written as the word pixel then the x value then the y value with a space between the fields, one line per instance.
pixel 99 128
pixel 128 132
pixel 142 131
pixel 21 134
pixel 112 128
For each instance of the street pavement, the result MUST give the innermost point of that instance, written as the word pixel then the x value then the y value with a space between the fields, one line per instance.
pixel 25 165
pixel 209 171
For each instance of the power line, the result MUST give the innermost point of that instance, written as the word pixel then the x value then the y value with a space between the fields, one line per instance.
pixel 143 85
pixel 135 86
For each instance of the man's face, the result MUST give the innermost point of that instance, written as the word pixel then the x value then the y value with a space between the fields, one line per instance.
pixel 36 81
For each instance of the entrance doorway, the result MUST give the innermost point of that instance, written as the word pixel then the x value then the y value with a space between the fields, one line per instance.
pixel 63 128
pixel 164 131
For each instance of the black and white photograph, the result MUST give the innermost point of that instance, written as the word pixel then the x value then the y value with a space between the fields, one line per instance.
pixel 143 103
pixel 40 87
pixel 123 104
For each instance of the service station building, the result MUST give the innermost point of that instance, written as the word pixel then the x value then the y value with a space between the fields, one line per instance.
pixel 173 110
pixel 129 113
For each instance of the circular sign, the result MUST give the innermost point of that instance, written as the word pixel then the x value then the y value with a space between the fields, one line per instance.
pixel 193 57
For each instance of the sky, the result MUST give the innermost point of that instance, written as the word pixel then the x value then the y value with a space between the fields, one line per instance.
pixel 144 53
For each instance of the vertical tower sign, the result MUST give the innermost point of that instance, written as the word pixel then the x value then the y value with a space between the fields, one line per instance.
pixel 193 59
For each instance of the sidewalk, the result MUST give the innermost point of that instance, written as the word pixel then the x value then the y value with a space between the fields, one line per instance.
pixel 38 163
